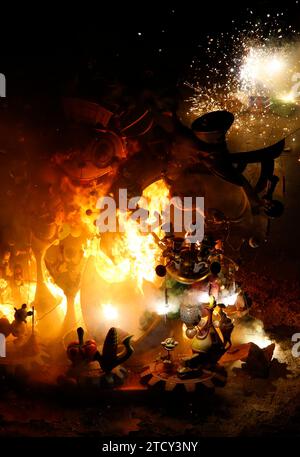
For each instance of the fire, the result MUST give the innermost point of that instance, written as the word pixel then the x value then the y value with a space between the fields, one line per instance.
pixel 8 311
pixel 110 312
pixel 3 284
pixel 57 293
pixel 61 299
pixel 78 311
pixel 26 295
pixel 134 254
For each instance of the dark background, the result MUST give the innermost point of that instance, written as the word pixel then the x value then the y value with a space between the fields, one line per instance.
pixel 45 46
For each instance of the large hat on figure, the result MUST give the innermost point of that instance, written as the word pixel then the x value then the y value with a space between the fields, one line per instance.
pixel 212 127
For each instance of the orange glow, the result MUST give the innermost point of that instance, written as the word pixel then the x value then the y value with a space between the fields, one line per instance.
pixel 134 254
pixel 57 293
pixel 61 299
pixel 7 311
pixel 110 312
pixel 7 307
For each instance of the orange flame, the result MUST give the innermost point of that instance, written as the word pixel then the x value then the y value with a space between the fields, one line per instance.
pixel 61 299
pixel 7 307
pixel 135 254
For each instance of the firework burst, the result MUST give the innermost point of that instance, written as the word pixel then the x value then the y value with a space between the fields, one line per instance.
pixel 254 69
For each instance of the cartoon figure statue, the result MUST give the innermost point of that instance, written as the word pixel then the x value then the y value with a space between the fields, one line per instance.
pixel 84 355
pixel 21 314
pixel 110 359
pixel 225 326
pixel 81 352
pixel 210 130
pixel 18 326
pixel 213 338
pixel 169 344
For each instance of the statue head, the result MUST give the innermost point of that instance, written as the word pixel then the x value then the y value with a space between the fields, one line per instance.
pixel 212 127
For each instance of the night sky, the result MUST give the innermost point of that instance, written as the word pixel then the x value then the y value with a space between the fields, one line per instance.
pixel 130 41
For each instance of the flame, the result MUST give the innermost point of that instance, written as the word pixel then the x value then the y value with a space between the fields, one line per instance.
pixel 3 284
pixel 78 310
pixel 27 291
pixel 57 293
pixel 7 307
pixel 134 254
pixel 85 202
pixel 8 311
pixel 61 299
pixel 110 312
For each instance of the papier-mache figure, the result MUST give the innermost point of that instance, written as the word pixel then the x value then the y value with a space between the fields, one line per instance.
pixel 210 130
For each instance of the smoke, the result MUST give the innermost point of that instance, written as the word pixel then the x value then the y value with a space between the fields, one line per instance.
pixel 248 330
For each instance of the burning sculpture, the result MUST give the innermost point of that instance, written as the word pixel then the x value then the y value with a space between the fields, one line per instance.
pixel 81 277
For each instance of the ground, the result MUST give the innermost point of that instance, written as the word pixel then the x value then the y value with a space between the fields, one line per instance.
pixel 245 406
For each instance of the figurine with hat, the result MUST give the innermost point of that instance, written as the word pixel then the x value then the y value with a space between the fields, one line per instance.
pixel 210 131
